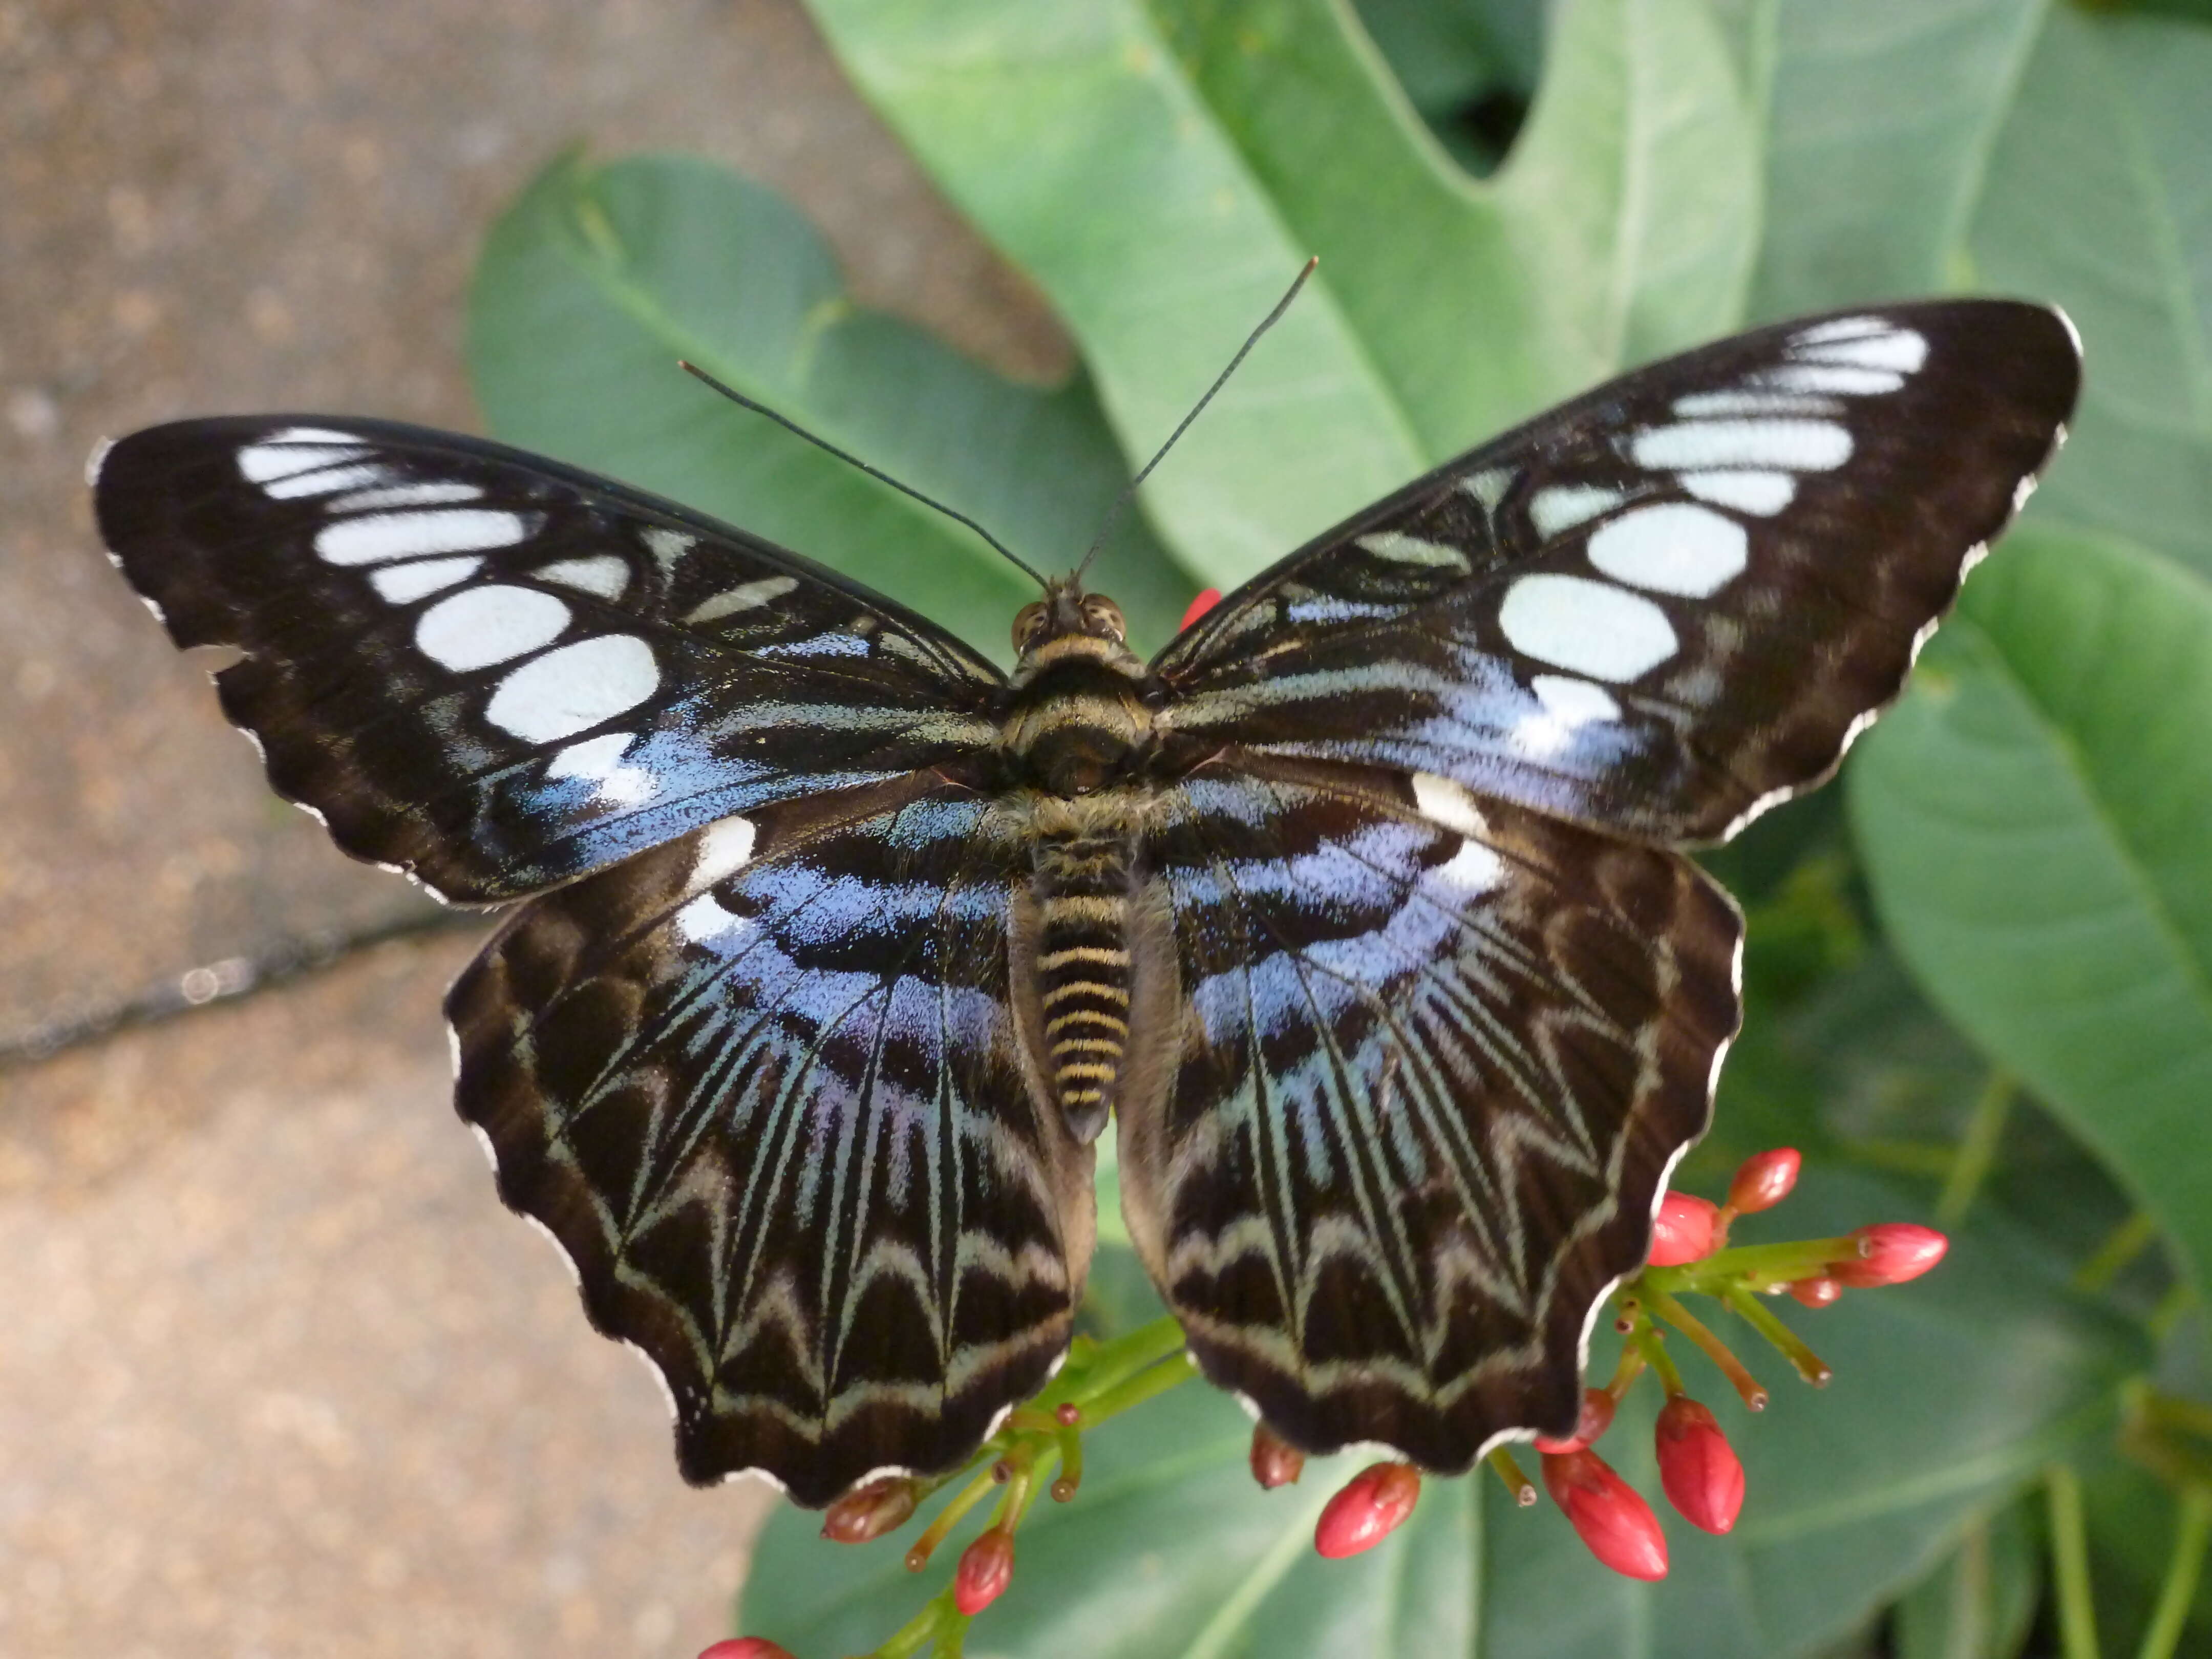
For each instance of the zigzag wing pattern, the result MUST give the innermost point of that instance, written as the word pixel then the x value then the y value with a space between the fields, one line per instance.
pixel 1664 605
pixel 498 673
pixel 762 1085
pixel 1437 1062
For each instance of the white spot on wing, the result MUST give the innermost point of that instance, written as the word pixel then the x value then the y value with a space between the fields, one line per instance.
pixel 266 462
pixel 1672 547
pixel 1899 350
pixel 1586 627
pixel 95 461
pixel 1843 379
pixel 483 1136
pixel 592 759
pixel 1842 328
pixel 485 625
pixel 602 573
pixel 1402 549
pixel 380 535
pixel 1563 506
pixel 703 918
pixel 1572 702
pixel 1696 405
pixel 1452 804
pixel 1473 870
pixel 666 546
pixel 725 846
pixel 401 583
pixel 1801 445
pixel 1763 493
pixel 1489 486
pixel 326 481
pixel 572 688
pixel 406 494
pixel 748 596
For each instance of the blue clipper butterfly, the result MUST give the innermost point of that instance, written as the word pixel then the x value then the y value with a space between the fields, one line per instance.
pixel 1360 908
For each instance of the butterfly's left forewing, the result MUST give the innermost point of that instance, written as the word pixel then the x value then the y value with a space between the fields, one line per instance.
pixel 498 673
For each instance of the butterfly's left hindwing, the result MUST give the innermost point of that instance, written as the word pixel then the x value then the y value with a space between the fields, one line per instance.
pixel 499 672
pixel 1437 1060
pixel 1668 604
pixel 762 1085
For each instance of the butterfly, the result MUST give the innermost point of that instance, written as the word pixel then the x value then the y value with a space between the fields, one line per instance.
pixel 1361 909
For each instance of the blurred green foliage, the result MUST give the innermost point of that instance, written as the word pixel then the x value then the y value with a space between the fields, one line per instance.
pixel 2009 929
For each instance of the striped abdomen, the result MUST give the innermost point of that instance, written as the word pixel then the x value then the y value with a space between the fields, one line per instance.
pixel 1083 977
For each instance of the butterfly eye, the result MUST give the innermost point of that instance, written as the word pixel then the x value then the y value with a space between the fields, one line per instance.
pixel 1104 615
pixel 1027 622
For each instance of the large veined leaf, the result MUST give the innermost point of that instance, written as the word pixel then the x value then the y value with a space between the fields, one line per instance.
pixel 1213 146
pixel 2033 818
pixel 2096 198
pixel 599 279
pixel 1949 1394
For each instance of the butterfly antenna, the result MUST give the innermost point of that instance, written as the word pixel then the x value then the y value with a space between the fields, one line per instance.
pixel 877 473
pixel 1129 490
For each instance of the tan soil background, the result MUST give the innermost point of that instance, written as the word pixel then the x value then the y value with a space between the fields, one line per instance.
pixel 278 1375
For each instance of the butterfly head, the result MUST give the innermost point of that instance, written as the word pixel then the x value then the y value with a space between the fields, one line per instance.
pixel 1069 622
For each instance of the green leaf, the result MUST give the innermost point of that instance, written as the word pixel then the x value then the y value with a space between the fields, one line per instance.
pixel 1949 1394
pixel 1978 1603
pixel 599 279
pixel 2096 199
pixel 1213 146
pixel 1880 117
pixel 2034 819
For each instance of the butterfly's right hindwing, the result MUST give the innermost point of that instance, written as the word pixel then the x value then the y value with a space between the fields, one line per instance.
pixel 498 673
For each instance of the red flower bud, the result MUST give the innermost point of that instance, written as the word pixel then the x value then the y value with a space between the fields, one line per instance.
pixel 1697 1466
pixel 1596 1418
pixel 1616 1525
pixel 1816 1292
pixel 1684 1231
pixel 1373 1505
pixel 1765 1180
pixel 870 1511
pixel 1889 1255
pixel 987 1566
pixel 1198 606
pixel 1275 1461
pixel 744 1647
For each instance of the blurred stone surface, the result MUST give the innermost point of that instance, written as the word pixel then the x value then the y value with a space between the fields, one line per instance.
pixel 277 1376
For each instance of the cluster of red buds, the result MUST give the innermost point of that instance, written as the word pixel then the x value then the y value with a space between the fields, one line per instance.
pixel 1698 1470
pixel 1039 1449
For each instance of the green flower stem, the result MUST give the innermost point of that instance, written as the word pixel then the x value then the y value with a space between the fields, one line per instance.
pixel 2069 1552
pixel 1757 1266
pixel 2163 1638
pixel 913 1636
pixel 1071 1462
pixel 1978 1150
pixel 1651 1349
pixel 1756 1315
pixel 1684 1321
pixel 1135 1391
pixel 1501 1463
pixel 949 1517
pixel 1123 1357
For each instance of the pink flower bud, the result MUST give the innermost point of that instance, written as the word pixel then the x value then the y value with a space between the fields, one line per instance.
pixel 1697 1466
pixel 1684 1231
pixel 986 1567
pixel 1765 1180
pixel 1616 1525
pixel 1820 1292
pixel 1198 606
pixel 1275 1461
pixel 744 1647
pixel 1596 1418
pixel 1373 1505
pixel 870 1511
pixel 1889 1255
